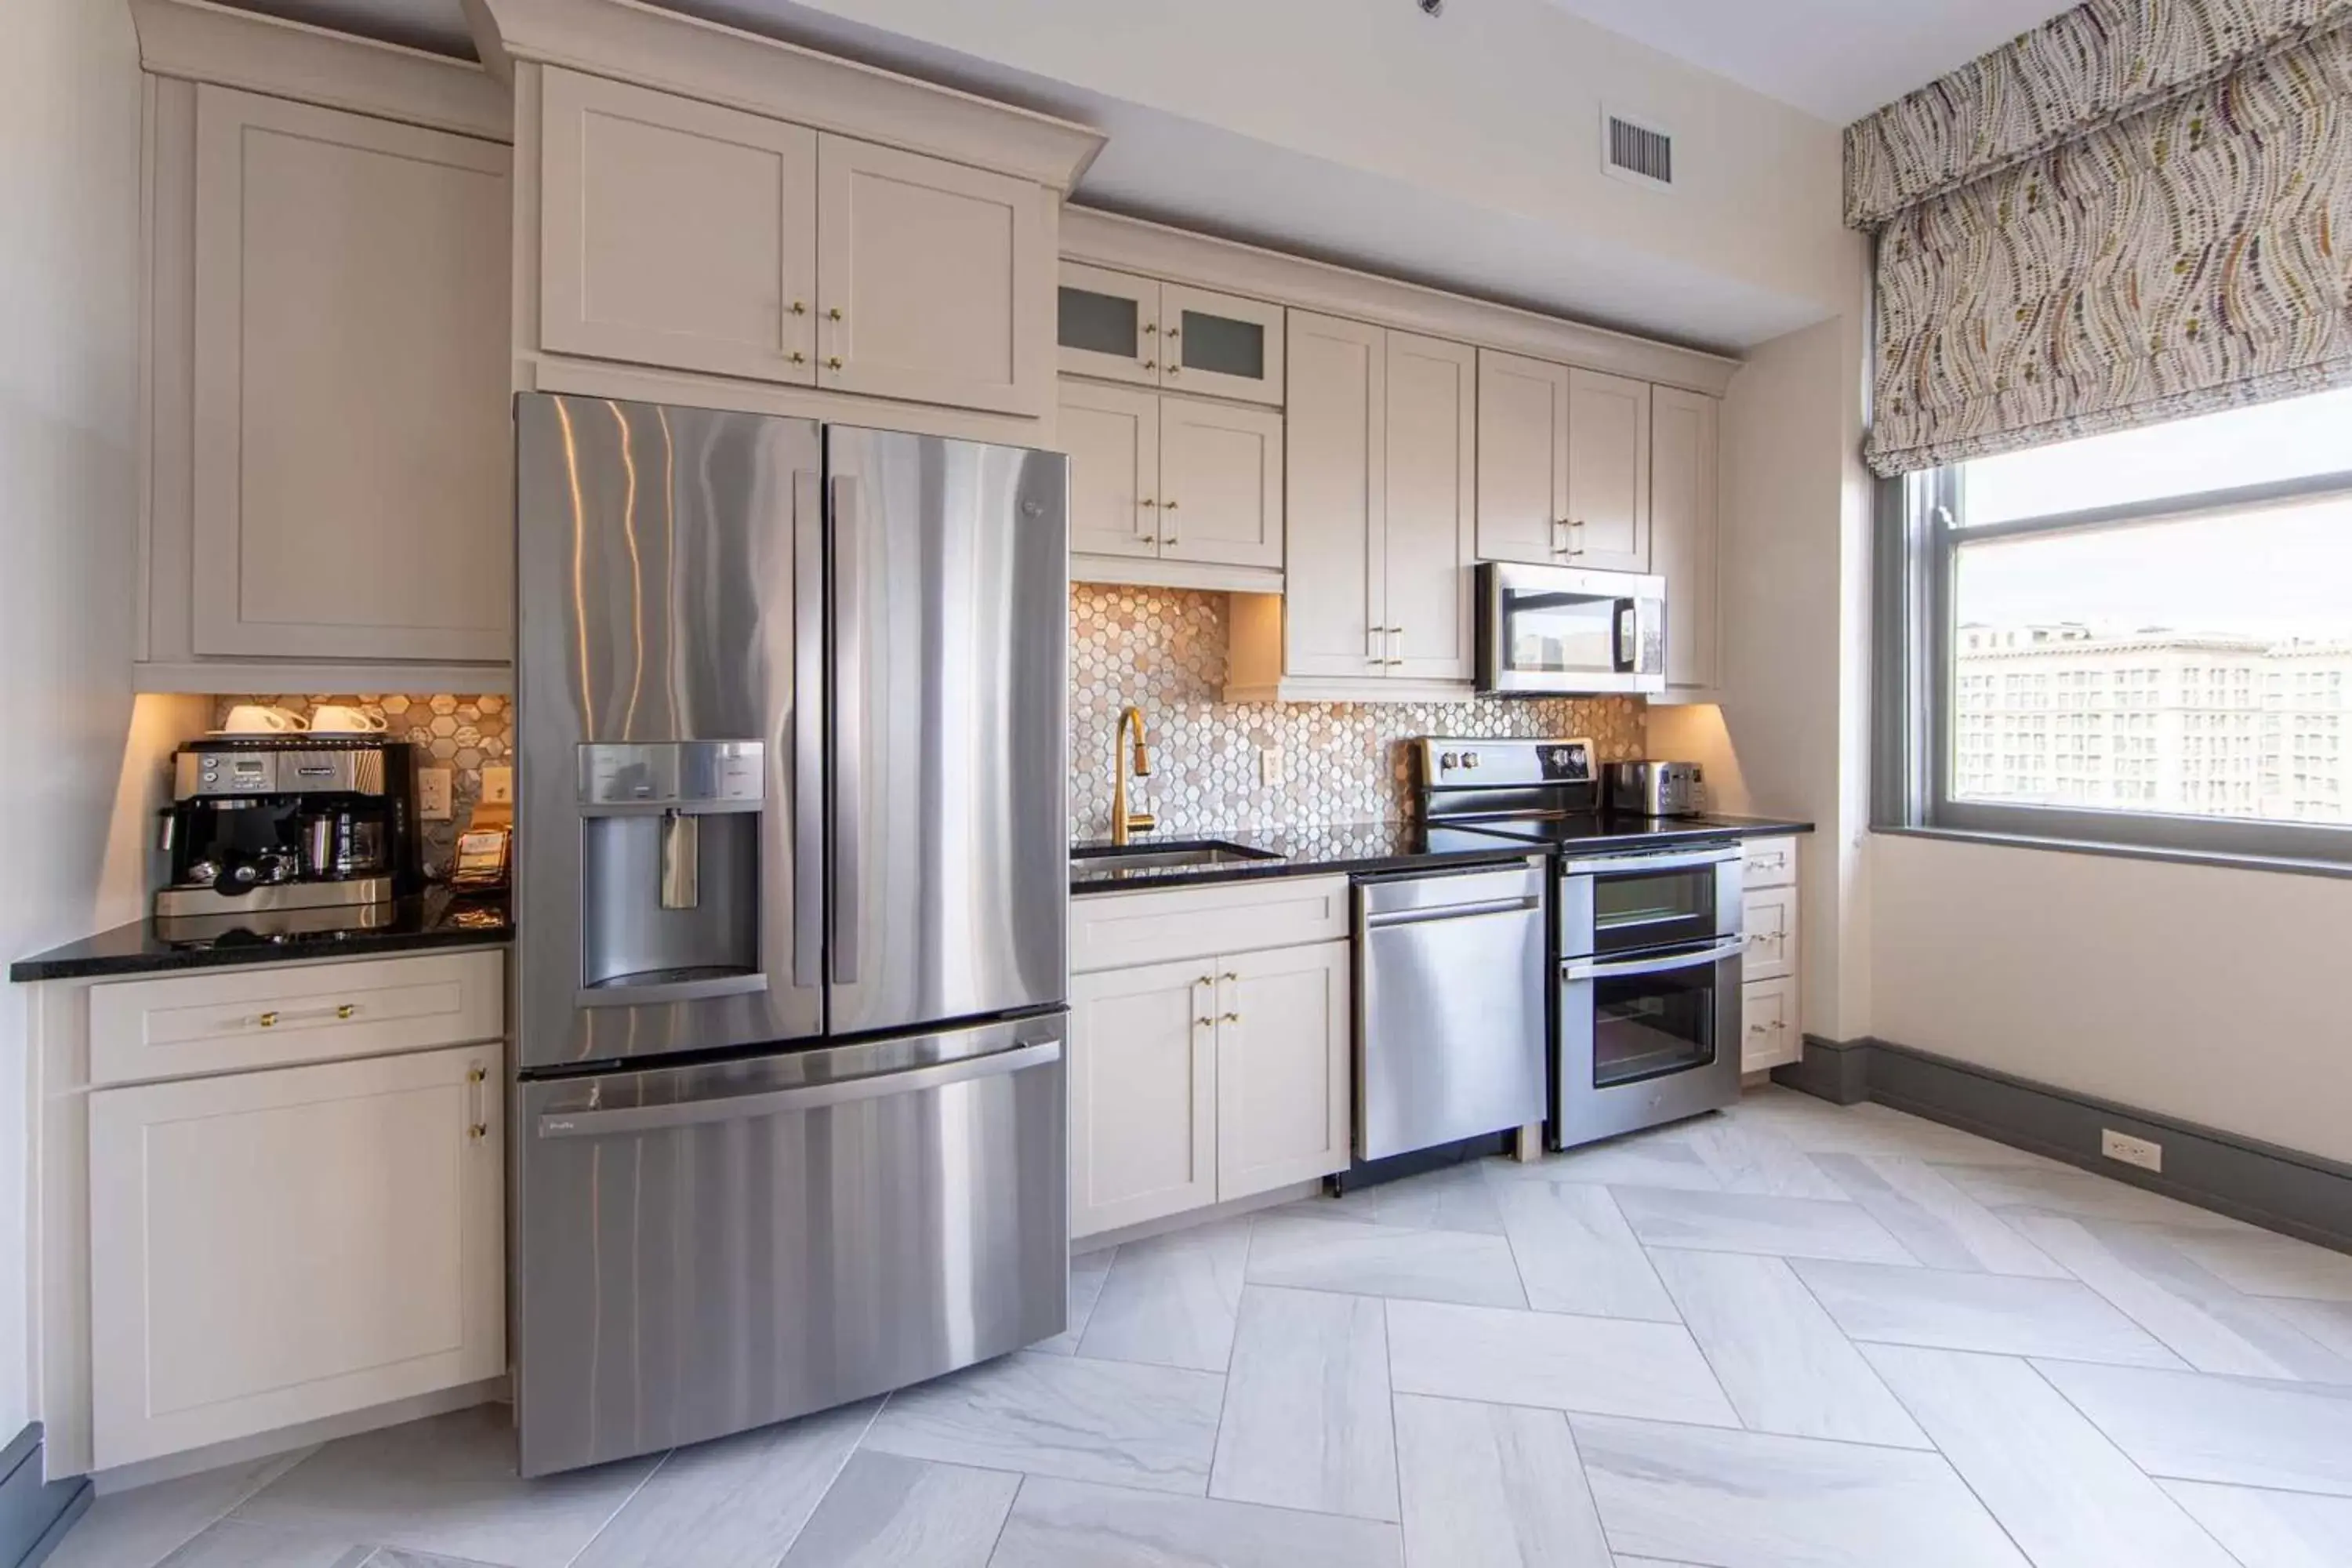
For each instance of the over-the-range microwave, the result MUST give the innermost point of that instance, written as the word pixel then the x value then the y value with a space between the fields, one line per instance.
pixel 1562 631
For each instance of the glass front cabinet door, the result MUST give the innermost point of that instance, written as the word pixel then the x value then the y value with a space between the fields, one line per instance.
pixel 1117 326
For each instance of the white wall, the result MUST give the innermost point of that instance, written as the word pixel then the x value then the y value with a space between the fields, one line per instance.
pixel 68 499
pixel 1494 106
pixel 2210 994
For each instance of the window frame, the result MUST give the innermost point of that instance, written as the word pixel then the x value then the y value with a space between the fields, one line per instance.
pixel 1917 539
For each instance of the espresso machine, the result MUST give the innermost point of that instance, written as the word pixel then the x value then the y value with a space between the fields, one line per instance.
pixel 288 833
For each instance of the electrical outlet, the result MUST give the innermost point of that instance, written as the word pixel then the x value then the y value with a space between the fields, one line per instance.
pixel 1269 764
pixel 2145 1153
pixel 498 785
pixel 433 794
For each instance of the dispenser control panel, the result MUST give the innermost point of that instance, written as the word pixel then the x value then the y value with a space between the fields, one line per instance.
pixel 709 775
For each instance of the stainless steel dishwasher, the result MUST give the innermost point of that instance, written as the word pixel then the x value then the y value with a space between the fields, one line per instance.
pixel 1450 996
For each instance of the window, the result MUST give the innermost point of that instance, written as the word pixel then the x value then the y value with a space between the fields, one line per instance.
pixel 2165 589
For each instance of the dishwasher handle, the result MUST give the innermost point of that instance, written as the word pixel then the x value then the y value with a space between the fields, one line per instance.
pixel 1453 912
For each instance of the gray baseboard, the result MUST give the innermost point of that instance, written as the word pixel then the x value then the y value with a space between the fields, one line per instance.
pixel 35 1512
pixel 2280 1189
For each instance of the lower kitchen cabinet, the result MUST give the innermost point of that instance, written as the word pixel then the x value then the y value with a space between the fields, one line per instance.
pixel 270 1248
pixel 1197 1076
pixel 1768 1026
pixel 1770 1035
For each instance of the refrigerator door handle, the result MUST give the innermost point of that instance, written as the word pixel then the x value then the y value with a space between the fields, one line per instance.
pixel 849 727
pixel 809 1097
pixel 808 729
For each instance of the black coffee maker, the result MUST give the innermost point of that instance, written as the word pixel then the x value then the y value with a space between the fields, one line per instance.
pixel 290 833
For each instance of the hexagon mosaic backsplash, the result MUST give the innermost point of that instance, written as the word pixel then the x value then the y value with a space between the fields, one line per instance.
pixel 1164 650
pixel 464 734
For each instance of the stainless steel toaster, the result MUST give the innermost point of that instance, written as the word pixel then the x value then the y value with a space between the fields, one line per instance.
pixel 1655 789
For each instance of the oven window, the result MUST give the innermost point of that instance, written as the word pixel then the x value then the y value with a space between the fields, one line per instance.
pixel 1650 1025
pixel 1548 632
pixel 1625 904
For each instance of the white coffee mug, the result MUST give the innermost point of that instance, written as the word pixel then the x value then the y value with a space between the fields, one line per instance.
pixel 259 719
pixel 336 718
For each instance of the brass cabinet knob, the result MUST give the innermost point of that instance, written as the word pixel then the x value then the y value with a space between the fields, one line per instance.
pixel 1169 504
pixel 1171 334
pixel 1174 369
pixel 1204 1023
pixel 834 314
pixel 476 1074
pixel 1204 980
pixel 798 309
pixel 477 1130
pixel 1233 1017
pixel 1149 328
pixel 1147 500
pixel 799 358
pixel 833 362
pixel 1150 539
pixel 346 1011
pixel 1230 976
pixel 269 1020
pixel 1151 364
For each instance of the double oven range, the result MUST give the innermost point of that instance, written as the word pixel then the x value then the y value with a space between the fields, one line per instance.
pixel 1646 930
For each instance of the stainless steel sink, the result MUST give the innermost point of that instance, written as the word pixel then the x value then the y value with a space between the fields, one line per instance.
pixel 1173 855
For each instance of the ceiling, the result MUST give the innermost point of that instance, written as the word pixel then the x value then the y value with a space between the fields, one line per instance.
pixel 1836 59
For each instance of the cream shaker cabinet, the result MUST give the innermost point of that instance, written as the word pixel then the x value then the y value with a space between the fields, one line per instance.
pixel 1172 478
pixel 1522 459
pixel 1769 1033
pixel 1121 327
pixel 349 487
pixel 1684 535
pixel 1209 1043
pixel 270 1248
pixel 1608 472
pixel 681 234
pixel 1382 432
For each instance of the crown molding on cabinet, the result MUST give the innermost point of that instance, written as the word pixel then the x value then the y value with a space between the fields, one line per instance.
pixel 203 42
pixel 235 676
pixel 630 41
pixel 1132 245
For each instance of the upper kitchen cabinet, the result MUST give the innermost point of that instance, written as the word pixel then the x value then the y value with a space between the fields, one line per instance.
pixel 1684 534
pixel 679 233
pixel 1383 436
pixel 676 233
pixel 329 451
pixel 1608 472
pixel 1181 492
pixel 1117 326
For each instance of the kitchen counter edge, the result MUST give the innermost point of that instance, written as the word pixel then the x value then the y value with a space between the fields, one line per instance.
pixel 428 922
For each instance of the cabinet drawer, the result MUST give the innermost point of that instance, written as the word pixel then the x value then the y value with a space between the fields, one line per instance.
pixel 1769 917
pixel 238 1018
pixel 1768 1028
pixel 1771 862
pixel 1109 931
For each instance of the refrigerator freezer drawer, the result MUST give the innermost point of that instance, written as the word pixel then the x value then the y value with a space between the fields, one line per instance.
pixel 710 1249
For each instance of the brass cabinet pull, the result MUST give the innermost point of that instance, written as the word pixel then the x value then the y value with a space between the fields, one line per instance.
pixel 1204 980
pixel 1233 1017
pixel 833 362
pixel 477 1130
pixel 346 1011
pixel 1173 368
pixel 476 1074
pixel 834 314
pixel 1151 364
pixel 1150 539
pixel 798 309
pixel 1147 501
pixel 1170 505
pixel 1149 328
pixel 1204 1023
pixel 1230 976
pixel 1171 334
pixel 799 358
pixel 269 1020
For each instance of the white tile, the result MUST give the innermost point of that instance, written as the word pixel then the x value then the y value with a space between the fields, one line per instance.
pixel 2205 1322
pixel 1171 1300
pixel 1780 1358
pixel 1576 1254
pixel 2261 1263
pixel 1493 1485
pixel 739 1499
pixel 1087 1272
pixel 2194 1426
pixel 1607 1366
pixel 232 1544
pixel 2272 1530
pixel 1138 1426
pixel 2328 1323
pixel 1306 1421
pixel 1384 1260
pixel 1452 1198
pixel 1745 1222
pixel 1065 1524
pixel 1642 1160
pixel 448 1485
pixel 1994 1312
pixel 138 1527
pixel 2061 1189
pixel 886 1512
pixel 1936 1222
pixel 403 1557
pixel 1745 1500
pixel 2062 1491
pixel 1749 1156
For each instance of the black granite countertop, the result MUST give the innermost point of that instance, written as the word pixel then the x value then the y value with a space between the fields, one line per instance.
pixel 434 917
pixel 1362 847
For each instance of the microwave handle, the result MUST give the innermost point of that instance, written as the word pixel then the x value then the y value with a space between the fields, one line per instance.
pixel 1626 638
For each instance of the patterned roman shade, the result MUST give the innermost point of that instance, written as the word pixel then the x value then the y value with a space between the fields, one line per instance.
pixel 2141 210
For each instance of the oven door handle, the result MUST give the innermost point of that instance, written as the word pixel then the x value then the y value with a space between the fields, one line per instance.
pixel 1593 969
pixel 1665 860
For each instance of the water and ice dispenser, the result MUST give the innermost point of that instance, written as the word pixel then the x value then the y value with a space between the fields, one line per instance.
pixel 670 870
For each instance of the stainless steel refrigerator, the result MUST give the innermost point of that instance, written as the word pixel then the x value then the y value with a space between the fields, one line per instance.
pixel 791 884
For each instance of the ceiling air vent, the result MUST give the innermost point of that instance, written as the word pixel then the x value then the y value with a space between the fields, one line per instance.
pixel 1637 154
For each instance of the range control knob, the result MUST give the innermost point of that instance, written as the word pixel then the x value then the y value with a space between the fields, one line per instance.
pixel 1469 759
pixel 1445 764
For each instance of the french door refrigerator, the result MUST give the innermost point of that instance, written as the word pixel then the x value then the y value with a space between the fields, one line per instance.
pixel 791 883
